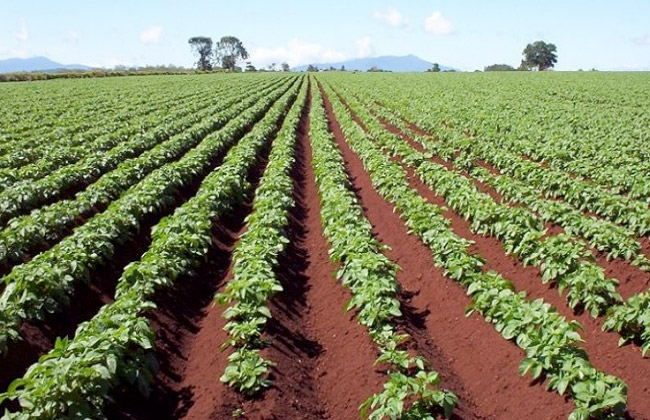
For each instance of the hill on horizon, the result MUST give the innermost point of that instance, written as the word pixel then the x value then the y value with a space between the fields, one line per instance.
pixel 44 64
pixel 406 63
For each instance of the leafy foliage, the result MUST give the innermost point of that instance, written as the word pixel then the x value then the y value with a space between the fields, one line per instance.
pixel 371 277
pixel 45 283
pixel 73 380
pixel 549 340
pixel 202 46
pixel 256 257
pixel 540 55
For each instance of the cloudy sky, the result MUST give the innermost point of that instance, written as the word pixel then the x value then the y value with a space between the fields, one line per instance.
pixel 466 34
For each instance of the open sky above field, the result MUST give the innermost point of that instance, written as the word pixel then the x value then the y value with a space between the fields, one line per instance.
pixel 465 34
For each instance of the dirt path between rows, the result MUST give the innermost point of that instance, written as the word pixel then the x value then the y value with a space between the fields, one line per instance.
pixel 473 359
pixel 319 350
pixel 602 347
pixel 632 279
pixel 39 336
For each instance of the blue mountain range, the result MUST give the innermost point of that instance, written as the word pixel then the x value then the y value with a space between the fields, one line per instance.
pixel 44 64
pixel 407 63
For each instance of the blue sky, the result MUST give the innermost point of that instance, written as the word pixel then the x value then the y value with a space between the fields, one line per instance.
pixel 466 34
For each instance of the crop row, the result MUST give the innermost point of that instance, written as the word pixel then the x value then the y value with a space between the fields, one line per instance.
pixel 70 114
pixel 631 319
pixel 29 195
pixel 604 144
pixel 44 284
pixel 62 112
pixel 411 389
pixel 603 235
pixel 17 178
pixel 23 235
pixel 26 161
pixel 255 260
pixel 504 156
pixel 560 259
pixel 548 339
pixel 115 346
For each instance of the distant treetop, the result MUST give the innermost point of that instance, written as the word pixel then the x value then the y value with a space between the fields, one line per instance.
pixel 539 55
pixel 499 67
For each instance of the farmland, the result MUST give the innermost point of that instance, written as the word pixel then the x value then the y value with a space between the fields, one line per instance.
pixel 326 245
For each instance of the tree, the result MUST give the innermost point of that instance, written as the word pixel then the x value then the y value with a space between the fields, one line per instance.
pixel 499 67
pixel 250 67
pixel 435 68
pixel 540 55
pixel 311 67
pixel 343 67
pixel 202 45
pixel 285 66
pixel 228 51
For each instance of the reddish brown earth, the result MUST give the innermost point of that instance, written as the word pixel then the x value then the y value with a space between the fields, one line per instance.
pixel 312 304
pixel 473 359
pixel 187 326
pixel 38 337
pixel 324 358
pixel 602 347
pixel 308 337
pixel 632 279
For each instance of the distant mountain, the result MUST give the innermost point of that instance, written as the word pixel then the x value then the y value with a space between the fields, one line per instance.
pixel 12 65
pixel 407 63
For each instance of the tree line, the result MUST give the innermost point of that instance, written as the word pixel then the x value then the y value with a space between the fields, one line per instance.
pixel 229 51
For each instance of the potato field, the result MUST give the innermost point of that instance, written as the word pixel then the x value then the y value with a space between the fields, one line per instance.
pixel 326 245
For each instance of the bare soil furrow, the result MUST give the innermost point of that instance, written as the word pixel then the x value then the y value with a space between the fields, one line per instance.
pixel 474 360
pixel 602 347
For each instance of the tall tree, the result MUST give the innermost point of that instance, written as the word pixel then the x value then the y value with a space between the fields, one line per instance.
pixel 228 51
pixel 285 66
pixel 435 68
pixel 250 66
pixel 202 46
pixel 539 55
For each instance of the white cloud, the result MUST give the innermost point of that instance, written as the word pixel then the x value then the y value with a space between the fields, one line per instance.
pixel 643 40
pixel 22 34
pixel 364 47
pixel 151 35
pixel 296 52
pixel 391 17
pixel 437 24
pixel 71 36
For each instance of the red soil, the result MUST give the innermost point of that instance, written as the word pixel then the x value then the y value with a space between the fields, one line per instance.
pixel 312 304
pixel 473 359
pixel 38 337
pixel 319 349
pixel 602 347
pixel 188 330
pixel 632 279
